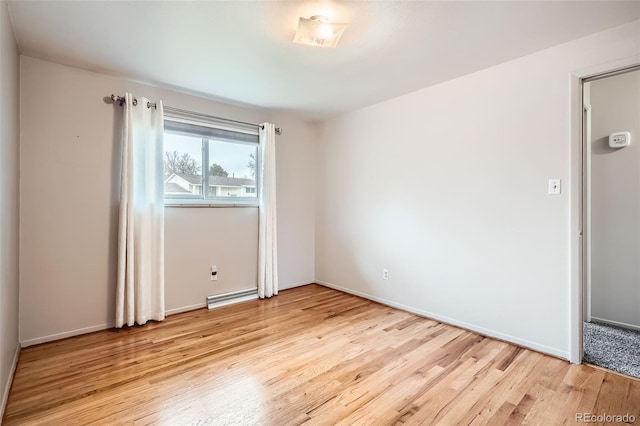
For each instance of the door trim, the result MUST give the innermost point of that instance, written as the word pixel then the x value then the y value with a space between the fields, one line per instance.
pixel 577 208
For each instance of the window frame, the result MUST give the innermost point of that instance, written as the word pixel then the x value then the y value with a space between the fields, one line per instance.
pixel 203 199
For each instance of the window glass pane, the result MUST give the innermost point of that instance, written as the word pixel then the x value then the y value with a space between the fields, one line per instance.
pixel 182 165
pixel 232 169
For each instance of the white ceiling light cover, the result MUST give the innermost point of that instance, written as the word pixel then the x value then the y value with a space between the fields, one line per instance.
pixel 318 31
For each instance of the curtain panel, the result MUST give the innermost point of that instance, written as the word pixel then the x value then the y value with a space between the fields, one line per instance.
pixel 267 230
pixel 140 284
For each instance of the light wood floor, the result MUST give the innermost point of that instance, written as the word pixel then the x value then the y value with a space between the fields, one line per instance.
pixel 310 355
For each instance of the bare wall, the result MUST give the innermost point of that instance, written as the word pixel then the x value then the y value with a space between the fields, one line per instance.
pixel 69 199
pixel 615 201
pixel 9 202
pixel 447 188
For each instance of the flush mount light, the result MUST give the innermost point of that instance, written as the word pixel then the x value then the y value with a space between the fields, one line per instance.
pixel 318 31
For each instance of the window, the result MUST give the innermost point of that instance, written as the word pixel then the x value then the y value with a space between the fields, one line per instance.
pixel 208 161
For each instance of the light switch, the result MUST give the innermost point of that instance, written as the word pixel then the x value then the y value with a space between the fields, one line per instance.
pixel 554 186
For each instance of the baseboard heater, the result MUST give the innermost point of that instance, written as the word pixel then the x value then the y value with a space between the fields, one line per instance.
pixel 232 297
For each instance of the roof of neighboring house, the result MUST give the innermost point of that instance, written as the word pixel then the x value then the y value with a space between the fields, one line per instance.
pixel 174 188
pixel 217 180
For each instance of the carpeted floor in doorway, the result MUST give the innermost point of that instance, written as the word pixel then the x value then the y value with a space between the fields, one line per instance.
pixel 615 348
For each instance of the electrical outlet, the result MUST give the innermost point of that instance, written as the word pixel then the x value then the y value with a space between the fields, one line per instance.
pixel 554 187
pixel 385 274
pixel 214 273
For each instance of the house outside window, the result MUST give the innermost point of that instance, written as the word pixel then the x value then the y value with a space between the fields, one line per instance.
pixel 208 162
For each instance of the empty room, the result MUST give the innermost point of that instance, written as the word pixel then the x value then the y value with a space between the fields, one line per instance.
pixel 319 212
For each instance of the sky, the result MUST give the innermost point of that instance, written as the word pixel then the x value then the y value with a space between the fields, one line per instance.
pixel 233 157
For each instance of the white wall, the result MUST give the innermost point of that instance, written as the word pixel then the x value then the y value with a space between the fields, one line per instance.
pixel 447 188
pixel 69 201
pixel 615 201
pixel 9 211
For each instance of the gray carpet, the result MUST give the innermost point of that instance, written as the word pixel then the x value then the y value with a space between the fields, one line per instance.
pixel 615 348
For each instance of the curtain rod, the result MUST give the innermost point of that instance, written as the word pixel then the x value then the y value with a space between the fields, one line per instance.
pixel 121 100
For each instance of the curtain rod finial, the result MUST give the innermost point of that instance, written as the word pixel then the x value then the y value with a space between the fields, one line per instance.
pixel 116 98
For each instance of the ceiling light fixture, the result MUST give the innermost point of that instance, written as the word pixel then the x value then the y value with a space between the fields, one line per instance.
pixel 318 31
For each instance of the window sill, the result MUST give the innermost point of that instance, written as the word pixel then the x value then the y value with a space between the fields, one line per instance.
pixel 209 205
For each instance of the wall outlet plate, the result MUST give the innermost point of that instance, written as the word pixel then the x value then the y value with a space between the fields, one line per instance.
pixel 214 273
pixel 554 187
pixel 619 139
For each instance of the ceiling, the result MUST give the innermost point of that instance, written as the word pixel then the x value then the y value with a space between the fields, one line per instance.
pixel 241 51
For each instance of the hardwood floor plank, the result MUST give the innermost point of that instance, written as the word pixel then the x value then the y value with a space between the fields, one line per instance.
pixel 312 355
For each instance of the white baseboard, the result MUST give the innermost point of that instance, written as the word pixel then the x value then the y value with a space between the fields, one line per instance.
pixel 7 386
pixel 294 285
pixel 616 323
pixel 185 308
pixel 65 334
pixel 485 331
pixel 85 330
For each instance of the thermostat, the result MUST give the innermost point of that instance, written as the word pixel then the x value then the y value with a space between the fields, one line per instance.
pixel 619 139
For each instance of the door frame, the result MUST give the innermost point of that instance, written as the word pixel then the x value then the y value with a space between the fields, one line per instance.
pixel 578 202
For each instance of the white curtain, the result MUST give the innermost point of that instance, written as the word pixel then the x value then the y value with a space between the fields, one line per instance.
pixel 140 286
pixel 267 234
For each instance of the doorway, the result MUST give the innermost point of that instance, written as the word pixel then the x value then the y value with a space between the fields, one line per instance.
pixel 611 251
